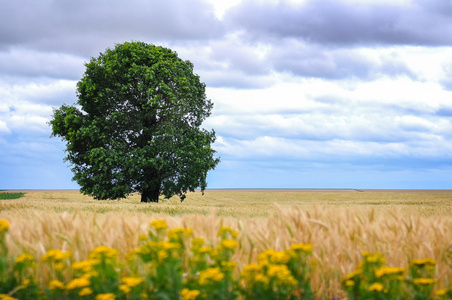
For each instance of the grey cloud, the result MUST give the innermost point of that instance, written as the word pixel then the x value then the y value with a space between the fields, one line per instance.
pixel 17 62
pixel 393 65
pixel 233 78
pixel 241 55
pixel 302 59
pixel 308 61
pixel 87 27
pixel 440 7
pixel 84 26
pixel 345 23
pixel 314 61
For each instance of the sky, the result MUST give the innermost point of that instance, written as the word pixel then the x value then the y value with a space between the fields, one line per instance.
pixel 307 94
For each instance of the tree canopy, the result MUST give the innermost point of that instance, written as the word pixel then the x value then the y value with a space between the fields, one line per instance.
pixel 136 126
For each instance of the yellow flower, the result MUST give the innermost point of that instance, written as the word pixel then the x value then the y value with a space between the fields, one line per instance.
pixel 85 292
pixel 26 282
pixel 211 274
pixel 158 224
pixel 177 233
pixel 130 256
pixel 56 284
pixel 197 242
pixel 59 266
pixel 188 232
pixel 170 246
pixel 377 287
pixel 385 270
pixel 205 250
pixel 307 248
pixel 250 273
pixel 162 254
pixel 85 265
pixel 279 257
pixel 353 274
pixel 422 262
pixel 229 244
pixel 261 278
pixel 264 256
pixel 225 229
pixel 282 275
pixel 424 281
pixel 125 288
pixel 187 294
pixel 251 268
pixel 132 281
pixel 349 283
pixel 107 296
pixel 103 251
pixel 90 274
pixel 4 225
pixel 7 297
pixel 78 283
pixel 56 254
pixel 276 270
pixel 184 291
pixel 23 258
pixel 375 258
pixel 142 237
pixel 441 292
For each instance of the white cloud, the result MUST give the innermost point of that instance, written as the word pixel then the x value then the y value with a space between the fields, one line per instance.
pixel 28 124
pixel 221 7
pixel 423 97
pixel 34 93
pixel 4 128
pixel 332 151
pixel 26 107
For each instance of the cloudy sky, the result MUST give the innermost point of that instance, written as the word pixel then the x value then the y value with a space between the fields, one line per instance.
pixel 307 94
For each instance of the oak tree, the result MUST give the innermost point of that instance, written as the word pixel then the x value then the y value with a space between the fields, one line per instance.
pixel 136 126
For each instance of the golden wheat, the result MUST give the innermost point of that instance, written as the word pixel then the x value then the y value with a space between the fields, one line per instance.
pixel 402 226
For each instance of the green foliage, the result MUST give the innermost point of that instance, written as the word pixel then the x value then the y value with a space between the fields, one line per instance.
pixel 174 264
pixel 137 125
pixel 168 264
pixel 373 280
pixel 10 196
pixel 16 274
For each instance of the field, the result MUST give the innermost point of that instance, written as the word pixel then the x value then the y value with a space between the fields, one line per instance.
pixel 341 224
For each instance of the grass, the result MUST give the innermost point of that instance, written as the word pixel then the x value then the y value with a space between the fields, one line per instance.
pixel 340 225
pixel 10 196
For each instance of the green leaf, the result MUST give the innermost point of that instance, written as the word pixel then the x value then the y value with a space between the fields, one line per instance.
pixel 136 125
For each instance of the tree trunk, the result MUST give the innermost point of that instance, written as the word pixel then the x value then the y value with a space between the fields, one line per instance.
pixel 150 195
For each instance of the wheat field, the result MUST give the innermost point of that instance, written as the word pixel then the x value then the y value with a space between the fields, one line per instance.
pixel 340 224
